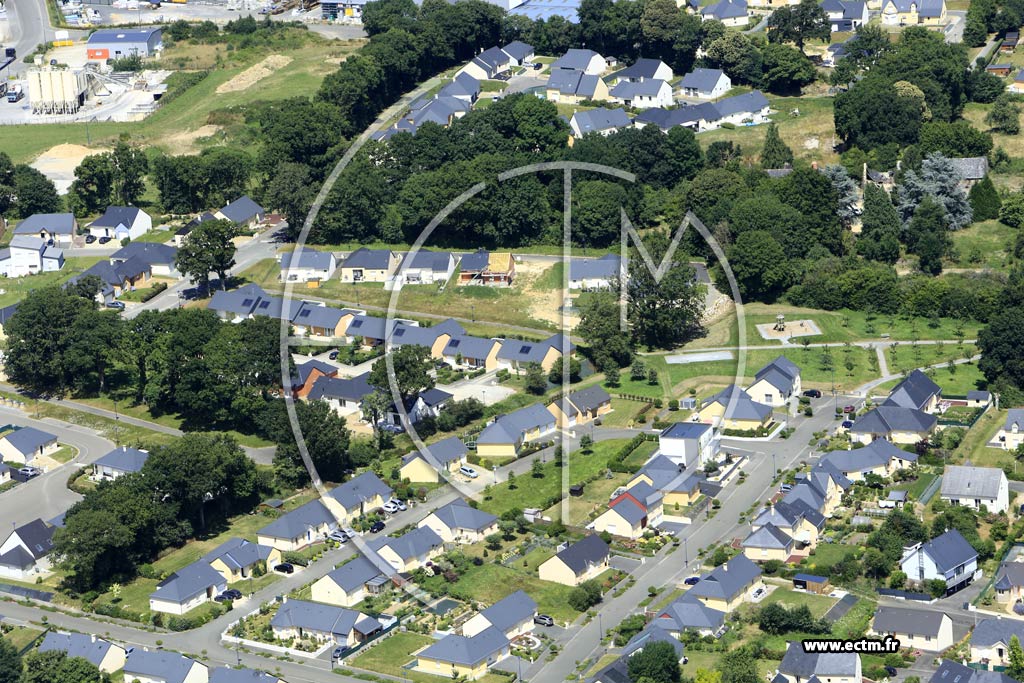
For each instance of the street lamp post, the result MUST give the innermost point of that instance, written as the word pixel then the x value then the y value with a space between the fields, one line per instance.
pixel 600 629
pixel 775 468
pixel 686 556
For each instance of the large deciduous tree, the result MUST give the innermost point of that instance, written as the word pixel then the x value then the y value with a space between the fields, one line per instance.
pixel 208 249
pixel 412 367
pixel 663 314
pixel 799 23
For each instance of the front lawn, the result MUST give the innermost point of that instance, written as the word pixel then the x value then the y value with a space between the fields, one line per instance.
pixel 818 604
pixel 390 655
pixel 827 554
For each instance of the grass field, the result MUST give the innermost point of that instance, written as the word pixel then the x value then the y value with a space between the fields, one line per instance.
pixel 818 604
pixel 827 554
pixel 974 447
pixel 390 656
pixel 905 357
pixel 15 289
pixel 987 244
pixel 916 488
pixel 22 636
pixel 623 412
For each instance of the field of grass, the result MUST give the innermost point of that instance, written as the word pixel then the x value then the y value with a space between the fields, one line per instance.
pixel 974 446
pixel 987 244
pixel 14 289
pixel 22 636
pixel 975 114
pixel 491 582
pixel 827 554
pixel 818 604
pixel 906 357
pixel 623 412
pixel 391 654
pixel 915 488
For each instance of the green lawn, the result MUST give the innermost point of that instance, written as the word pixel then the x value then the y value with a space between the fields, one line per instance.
pixel 915 488
pixel 974 446
pixel 22 636
pixel 818 604
pixel 17 288
pixel 905 357
pixel 827 554
pixel 64 454
pixel 391 654
pixel 987 244
pixel 623 412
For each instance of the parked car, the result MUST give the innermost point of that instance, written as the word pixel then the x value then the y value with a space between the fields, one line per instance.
pixel 849 409
pixel 468 472
pixel 377 527
pixel 333 355
pixel 812 393
pixel 401 504
pixel 89 239
pixel 847 424
pixel 189 294
pixel 691 580
pixel 221 598
pixel 233 593
pixel 543 620
pixel 28 472
pixel 891 670
pixel 104 240
pixel 340 652
pixel 758 593
pixel 786 488
pixel 350 532
pixel 391 507
pixel 338 536
pixel 116 305
pixel 284 568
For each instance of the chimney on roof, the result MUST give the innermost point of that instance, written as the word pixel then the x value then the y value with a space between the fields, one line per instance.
pixel 725 566
pixel 92 637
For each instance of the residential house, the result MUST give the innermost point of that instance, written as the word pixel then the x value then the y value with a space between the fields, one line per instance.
pixel 306 375
pixel 893 423
pixel 343 394
pixel 1017 87
pixel 372 331
pixel 689 613
pixel 463 657
pixel 181 233
pixel 24 554
pixel 821 489
pixel 895 499
pixel 697 117
pixel 643 94
pixel 120 222
pixel 464 351
pixel 187 589
pixel 116 278
pixel 323 623
pixel 506 434
pixel 734 408
pixel 349 584
pixel 162 666
pixel 306 265
pixel 689 443
pixel 1010 41
pixel 118 462
pixel 458 522
pixel 27 443
pixel 159 258
pixel 794 518
pixel 732 13
pixel 245 302
pixel 976 487
pixel 5 314
pixel 463 87
pixel 917 391
pixel 572 565
pixel 1009 582
pixel 845 15
pixel 1011 434
pixel 520 53
pixel 879 457
pixel 237 559
pixel 447 456
pixel 776 383
pixel 369 265
pixel 426 404
pixel 487 268
pixel 978 399
pixel 947 557
pixel 916 629
pixel 572 87
pixel 914 12
pixel 768 542
pixel 971 170
pixel 602 121
pixel 28 255
pixel 601 273
pixel 618 670
pixel 798 666
pixel 104 655
pixel 299 528
pixel 728 585
pixel 490 63
pixel 955 672
pixel 243 212
pixel 575 59
pixel 748 108
pixel 631 513
pixel 512 616
pixel 581 406
pixel 516 354
pixel 425 267
pixel 990 640
pixel 411 550
pixel 705 84
pixel 59 227
pixel 1001 70
pixel 435 338
pixel 441 109
pixel 678 488
pixel 361 493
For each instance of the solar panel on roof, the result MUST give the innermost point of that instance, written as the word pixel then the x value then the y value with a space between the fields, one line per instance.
pixel 455 343
pixel 304 314
pixel 247 302
pixel 525 349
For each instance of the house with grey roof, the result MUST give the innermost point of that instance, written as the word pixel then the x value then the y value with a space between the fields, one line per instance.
pixel 571 87
pixel 688 613
pixel 248 301
pixel 243 211
pixel 104 655
pixel 362 493
pixel 768 542
pixel 577 59
pixel 120 222
pixel 29 255
pixel 120 461
pixel 490 63
pixel 631 513
pixel 602 273
pixel 732 13
pixel 893 423
pixel 369 265
pixel 845 15
pixel 798 666
pixel 426 267
pixel 689 443
pixel 445 456
pixel 519 52
pixel 947 557
pixel 950 671
pixel 298 528
pixel 27 443
pixel 618 670
pixel 225 674
pixel 917 391
pixel 307 373
pixel 427 403
pixel 410 551
pixel 602 121
pixel 1009 582
pixel 459 522
pixel 976 488
pixel 971 169
pixel 728 585
pixel 163 666
pixel 705 84
pixel 1011 434
pixel 24 553
pixel 577 562
pixel 159 258
pixel 512 615
pixel 697 117
pixel 507 433
pixel 776 383
pixel 880 457
pixel 644 69
pixel 463 87
pixel 349 583
pixel 515 354
pixel 734 408
pixel 59 227
pixel 306 265
pixel 467 656
pixel 643 94
pixel 343 394
pixel 581 406
pixel 237 558
pixel 467 351
pixel 187 588
pixel 916 629
pixel 990 640
pixel 914 12
pixel 750 108
pixel 302 620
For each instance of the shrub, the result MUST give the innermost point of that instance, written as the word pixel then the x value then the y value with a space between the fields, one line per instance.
pixel 673 405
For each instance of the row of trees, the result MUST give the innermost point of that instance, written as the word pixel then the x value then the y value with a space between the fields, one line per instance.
pixel 46 667
pixel 24 190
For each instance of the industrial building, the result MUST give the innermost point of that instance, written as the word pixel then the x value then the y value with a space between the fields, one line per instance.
pixel 54 90
pixel 116 43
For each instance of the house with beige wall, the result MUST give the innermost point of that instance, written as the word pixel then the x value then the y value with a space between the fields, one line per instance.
pixel 776 383
pixel 798 666
pixel 512 616
pixel 104 655
pixel 348 584
pixel 467 657
pixel 631 513
pixel 503 437
pixel 581 407
pixel 445 456
pixel 734 408
pixel 458 522
pixel 990 640
pixel 410 551
pixel 163 666
pixel 466 351
pixel 915 629
pixel 369 265
pixel 581 561
pixel 728 585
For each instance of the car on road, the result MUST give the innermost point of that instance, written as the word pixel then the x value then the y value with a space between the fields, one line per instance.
pixel 467 471
pixel 812 393
pixel 847 424
pixel 284 568
pixel 543 620
pixel 189 294
pixel 89 239
pixel 338 536
pixel 786 488
pixel 116 305
pixel 849 409
pixel 340 652
pixel 391 507
pixel 691 580
pixel 891 670
pixel 401 504
pixel 377 527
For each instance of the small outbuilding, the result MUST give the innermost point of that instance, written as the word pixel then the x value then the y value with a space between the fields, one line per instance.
pixel 812 583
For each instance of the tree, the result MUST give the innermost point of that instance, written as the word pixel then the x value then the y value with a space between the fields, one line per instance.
pixel 55 666
pixel 760 266
pixel 10 663
pixel 128 166
pixel 290 188
pixel 927 235
pixel 736 55
pixel 1015 659
pixel 1001 356
pixel 721 152
pixel 984 199
pixel 880 226
pixel 535 381
pixel 1011 210
pixel 34 192
pixel 584 596
pixel 658 662
pixel 786 70
pixel 847 193
pixel 956 139
pixel 775 154
pixel 91 190
pixel 739 666
pixel 412 366
pixel 872 113
pixel 662 314
pixel 1004 115
pixel 327 439
pixel 940 180
pixel 876 565
pixel 599 330
pixel 208 249
pixel 798 24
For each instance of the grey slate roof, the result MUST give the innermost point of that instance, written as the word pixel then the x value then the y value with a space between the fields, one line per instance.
pixel 150 253
pixel 747 103
pixel 463 85
pixel 458 514
pixel 628 90
pixel 991 631
pixel 572 82
pixel 1014 417
pixel 768 536
pixel 954 672
pixel 295 523
pixel 685 430
pixel 309 314
pixel 511 427
pixel 187 582
pixel 242 209
pixel 476 261
pixel 574 59
pixel 781 373
pixel 725 9
pixel 643 68
pixel 629 510
pixel 354 575
pixel 347 388
pixel 599 120
pixel 739 405
pixel 158 664
pixel 304 370
pixel 360 489
pixel 689 613
pixel 914 391
pixel 314 616
pixel 444 451
pixel 587 552
pixel 1010 575
pixel 910 621
pixel 370 259
pixel 702 79
pixel 650 635
pixel 307 258
pixel 971 482
pixel 608 266
pixel 876 454
pixel 805 664
pixel 119 35
pixel 728 579
pixel 492 57
pixel 468 651
pixel 410 545
pixel 28 440
pixel 424 336
pixel 925 8
pixel 436 261
pixel 117 215
pixel 82 645
pixel 124 459
pixel 468 346
pixel 891 418
pixel 518 50
pixel 978 395
pixel 949 550
pixel 238 553
pixel 510 611
pixel 53 223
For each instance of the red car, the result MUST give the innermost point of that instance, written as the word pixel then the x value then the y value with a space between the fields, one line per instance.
pixel 849 409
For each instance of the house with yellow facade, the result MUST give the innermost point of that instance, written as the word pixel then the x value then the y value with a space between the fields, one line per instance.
pixel 236 559
pixel 459 522
pixel 515 354
pixel 631 513
pixel 298 528
pixel 990 641
pixel 572 565
pixel 410 551
pixel 104 655
pixel 503 437
pixel 914 13
pixel 880 457
pixel 678 487
pixel 733 408
pixel 445 456
pixel 436 337
pixel 768 543
pixel 456 656
pixel 728 585
pixel 581 407
pixel 916 629
pixel 472 353
pixel 776 383
pixel 369 265
pixel 512 616
pixel 323 623
pixel 360 494
pixel 350 583
pixel 798 666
